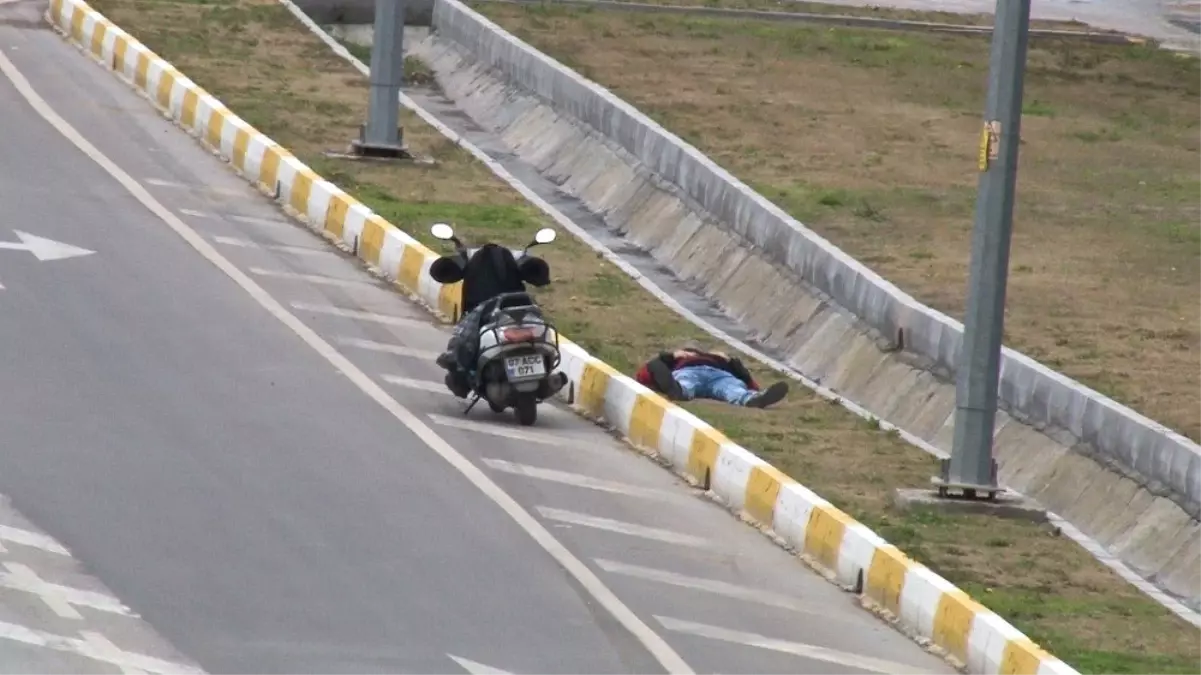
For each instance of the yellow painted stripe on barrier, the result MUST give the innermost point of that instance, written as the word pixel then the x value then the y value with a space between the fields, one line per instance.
pixel 886 577
pixel 166 82
pixel 187 115
pixel 241 143
pixel 702 452
pixel 411 262
pixel 212 135
pixel 646 420
pixel 450 298
pixel 762 491
pixel 372 240
pixel 302 187
pixel 335 215
pixel 56 10
pixel 594 382
pixel 120 46
pixel 823 534
pixel 99 30
pixel 78 14
pixel 1021 657
pixel 953 622
pixel 269 175
pixel 141 69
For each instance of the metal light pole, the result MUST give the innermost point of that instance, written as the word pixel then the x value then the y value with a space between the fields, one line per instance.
pixel 971 468
pixel 382 135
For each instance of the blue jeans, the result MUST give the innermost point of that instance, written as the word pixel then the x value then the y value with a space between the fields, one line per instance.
pixel 714 383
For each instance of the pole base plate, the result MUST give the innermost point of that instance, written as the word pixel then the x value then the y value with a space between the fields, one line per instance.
pixel 379 151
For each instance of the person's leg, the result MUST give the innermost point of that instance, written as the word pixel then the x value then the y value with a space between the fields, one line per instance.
pixel 691 382
pixel 725 387
pixel 665 380
pixel 734 391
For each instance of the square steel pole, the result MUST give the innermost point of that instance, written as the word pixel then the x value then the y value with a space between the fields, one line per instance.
pixel 971 468
pixel 382 135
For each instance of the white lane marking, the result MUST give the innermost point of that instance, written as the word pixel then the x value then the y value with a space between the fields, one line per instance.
pixel 61 599
pixel 93 648
pixel 360 315
pixel 296 250
pixel 590 582
pixel 795 648
pixel 42 248
pixel 708 585
pixel 159 182
pixel 544 438
pixel 621 527
pixel 477 668
pixel 578 480
pixel 386 347
pixel 419 385
pixel 252 220
pixel 38 540
pixel 314 278
pixel 103 645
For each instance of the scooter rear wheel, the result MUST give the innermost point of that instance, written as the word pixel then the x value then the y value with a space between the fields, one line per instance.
pixel 526 408
pixel 496 407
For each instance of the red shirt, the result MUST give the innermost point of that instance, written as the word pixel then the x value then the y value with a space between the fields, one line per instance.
pixel 732 366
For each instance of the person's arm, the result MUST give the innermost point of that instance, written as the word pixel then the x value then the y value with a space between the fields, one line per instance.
pixel 740 371
pixel 643 377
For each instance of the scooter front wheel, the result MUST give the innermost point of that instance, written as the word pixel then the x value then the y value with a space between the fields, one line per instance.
pixel 526 408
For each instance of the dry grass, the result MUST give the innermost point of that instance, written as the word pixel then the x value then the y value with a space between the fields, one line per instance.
pixel 260 62
pixel 870 139
pixel 876 12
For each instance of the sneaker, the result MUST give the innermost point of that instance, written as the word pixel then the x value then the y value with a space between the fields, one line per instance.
pixel 664 382
pixel 770 396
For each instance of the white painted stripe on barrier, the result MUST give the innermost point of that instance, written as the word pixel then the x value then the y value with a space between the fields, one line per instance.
pixel 318 204
pixel 732 472
pixel 794 508
pixel 356 218
pixel 389 257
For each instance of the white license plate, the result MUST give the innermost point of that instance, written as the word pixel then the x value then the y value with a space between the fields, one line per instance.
pixel 522 367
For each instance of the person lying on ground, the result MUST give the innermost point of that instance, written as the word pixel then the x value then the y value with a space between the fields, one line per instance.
pixel 690 372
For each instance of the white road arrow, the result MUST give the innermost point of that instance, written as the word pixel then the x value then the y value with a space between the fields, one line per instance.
pixel 477 668
pixel 43 248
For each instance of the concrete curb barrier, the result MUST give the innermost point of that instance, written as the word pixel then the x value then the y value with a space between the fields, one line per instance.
pixel 921 602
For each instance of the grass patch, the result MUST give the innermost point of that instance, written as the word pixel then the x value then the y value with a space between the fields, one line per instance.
pixel 267 68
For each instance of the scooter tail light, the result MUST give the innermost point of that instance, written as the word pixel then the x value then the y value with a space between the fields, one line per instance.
pixel 518 335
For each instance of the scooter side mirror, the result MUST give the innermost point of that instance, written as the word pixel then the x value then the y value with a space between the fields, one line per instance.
pixel 442 231
pixel 544 236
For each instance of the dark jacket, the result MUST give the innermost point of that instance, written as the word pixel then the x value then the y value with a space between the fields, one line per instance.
pixel 696 357
pixel 490 272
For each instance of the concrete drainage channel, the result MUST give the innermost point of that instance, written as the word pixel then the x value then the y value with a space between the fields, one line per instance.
pixel 475 103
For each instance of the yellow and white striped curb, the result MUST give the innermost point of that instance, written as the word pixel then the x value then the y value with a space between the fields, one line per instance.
pixel 925 604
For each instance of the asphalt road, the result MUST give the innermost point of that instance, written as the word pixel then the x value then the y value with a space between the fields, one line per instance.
pixel 256 510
